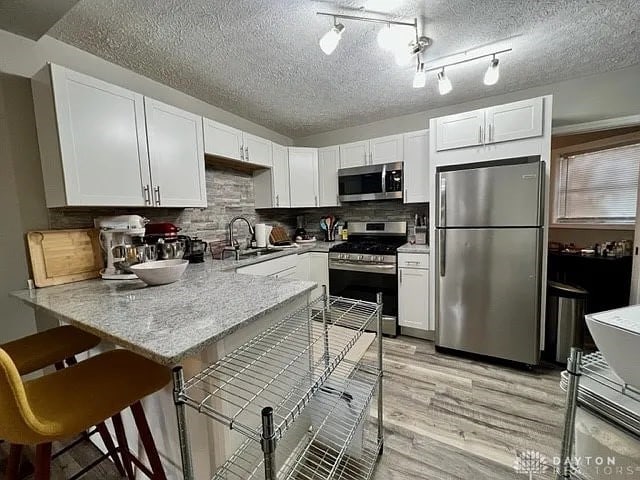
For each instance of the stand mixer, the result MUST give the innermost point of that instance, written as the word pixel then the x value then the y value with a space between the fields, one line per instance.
pixel 121 230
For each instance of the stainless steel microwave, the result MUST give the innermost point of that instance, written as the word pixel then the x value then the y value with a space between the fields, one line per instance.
pixel 372 182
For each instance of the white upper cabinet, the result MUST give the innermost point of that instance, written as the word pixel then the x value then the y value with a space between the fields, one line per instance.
pixel 176 156
pixel 281 176
pixel 328 165
pixel 461 130
pixel 502 123
pixel 103 145
pixel 257 150
pixel 303 176
pixel 354 154
pixel 271 185
pixel 416 167
pixel 222 141
pixel 92 140
pixel 386 149
pixel 514 121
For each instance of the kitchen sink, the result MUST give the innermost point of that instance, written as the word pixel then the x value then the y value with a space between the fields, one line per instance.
pixel 258 252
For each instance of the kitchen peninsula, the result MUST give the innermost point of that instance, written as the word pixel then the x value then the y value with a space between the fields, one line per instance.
pixel 191 323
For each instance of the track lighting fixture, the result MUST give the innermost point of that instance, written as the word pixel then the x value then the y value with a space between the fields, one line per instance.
pixel 330 40
pixel 405 42
pixel 492 74
pixel 420 77
pixel 444 84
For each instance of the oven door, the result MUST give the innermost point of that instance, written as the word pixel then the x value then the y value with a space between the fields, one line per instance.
pixel 364 284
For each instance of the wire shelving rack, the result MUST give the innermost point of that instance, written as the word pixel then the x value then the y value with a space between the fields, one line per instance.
pixel 295 368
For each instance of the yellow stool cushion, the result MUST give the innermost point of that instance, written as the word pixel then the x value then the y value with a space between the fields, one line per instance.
pixel 46 348
pixel 69 401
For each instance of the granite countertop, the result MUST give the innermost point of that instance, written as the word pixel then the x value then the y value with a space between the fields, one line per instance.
pixel 167 323
pixel 413 248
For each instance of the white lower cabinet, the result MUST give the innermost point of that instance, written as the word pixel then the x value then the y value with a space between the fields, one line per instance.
pixel 277 267
pixel 413 292
pixel 314 267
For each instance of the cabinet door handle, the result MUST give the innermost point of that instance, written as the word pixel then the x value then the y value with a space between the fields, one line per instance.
pixel 277 200
pixel 316 200
pixel 370 158
pixel 406 193
pixel 400 276
pixel 147 195
pixel 157 192
pixel 246 153
pixel 337 199
pixel 480 136
pixel 490 134
pixel 241 153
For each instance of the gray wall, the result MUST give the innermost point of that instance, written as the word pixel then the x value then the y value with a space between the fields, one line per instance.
pixel 22 200
pixel 596 97
pixel 24 57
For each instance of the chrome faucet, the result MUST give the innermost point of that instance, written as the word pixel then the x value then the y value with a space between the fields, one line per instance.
pixel 233 243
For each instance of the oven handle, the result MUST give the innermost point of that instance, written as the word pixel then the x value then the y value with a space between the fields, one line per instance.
pixel 356 267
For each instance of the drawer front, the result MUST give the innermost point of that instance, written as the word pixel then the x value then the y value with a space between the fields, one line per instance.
pixel 413 260
pixel 270 267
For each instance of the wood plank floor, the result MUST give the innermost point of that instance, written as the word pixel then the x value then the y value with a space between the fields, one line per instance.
pixel 445 417
pixel 448 417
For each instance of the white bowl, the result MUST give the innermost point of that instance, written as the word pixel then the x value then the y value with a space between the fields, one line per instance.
pixel 617 336
pixel 160 272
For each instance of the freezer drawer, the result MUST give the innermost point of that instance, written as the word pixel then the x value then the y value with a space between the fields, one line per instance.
pixel 488 292
pixel 496 196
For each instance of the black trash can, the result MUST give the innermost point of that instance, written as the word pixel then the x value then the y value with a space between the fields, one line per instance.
pixel 566 306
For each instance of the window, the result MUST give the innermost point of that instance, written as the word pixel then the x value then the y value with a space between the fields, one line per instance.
pixel 598 187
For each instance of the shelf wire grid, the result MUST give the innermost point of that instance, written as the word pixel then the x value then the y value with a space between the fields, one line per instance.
pixel 341 410
pixel 603 391
pixel 283 367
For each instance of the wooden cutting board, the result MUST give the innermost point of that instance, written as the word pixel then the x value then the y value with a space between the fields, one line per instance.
pixel 64 256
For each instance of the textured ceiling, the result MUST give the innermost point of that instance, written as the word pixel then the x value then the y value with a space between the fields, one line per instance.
pixel 260 58
pixel 32 18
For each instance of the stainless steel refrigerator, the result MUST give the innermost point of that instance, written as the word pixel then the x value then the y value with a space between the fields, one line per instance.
pixel 489 258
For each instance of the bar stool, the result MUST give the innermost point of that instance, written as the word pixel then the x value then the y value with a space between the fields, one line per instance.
pixel 50 347
pixel 55 347
pixel 67 402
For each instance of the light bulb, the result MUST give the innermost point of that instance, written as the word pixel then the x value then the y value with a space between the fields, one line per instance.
pixel 492 74
pixel 444 84
pixel 402 55
pixel 385 38
pixel 330 40
pixel 420 78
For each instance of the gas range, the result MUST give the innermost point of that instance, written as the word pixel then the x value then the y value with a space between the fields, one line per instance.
pixel 370 243
pixel 365 265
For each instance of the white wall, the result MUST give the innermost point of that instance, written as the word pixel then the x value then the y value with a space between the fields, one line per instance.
pixel 586 99
pixel 24 57
pixel 21 200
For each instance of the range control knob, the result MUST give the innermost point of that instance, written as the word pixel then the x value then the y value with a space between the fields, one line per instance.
pixel 360 257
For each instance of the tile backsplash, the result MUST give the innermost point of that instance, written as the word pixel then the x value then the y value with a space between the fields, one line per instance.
pixel 230 193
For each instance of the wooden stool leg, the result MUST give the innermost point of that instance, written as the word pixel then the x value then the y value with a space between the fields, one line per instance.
pixel 147 441
pixel 43 462
pixel 13 465
pixel 111 448
pixel 123 445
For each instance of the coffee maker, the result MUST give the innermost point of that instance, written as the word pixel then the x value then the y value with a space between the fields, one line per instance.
pixel 301 232
pixel 122 234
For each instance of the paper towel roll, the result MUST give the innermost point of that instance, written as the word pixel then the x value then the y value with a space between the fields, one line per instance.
pixel 261 235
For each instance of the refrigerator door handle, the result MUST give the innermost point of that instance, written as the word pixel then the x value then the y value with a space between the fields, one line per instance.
pixel 442 250
pixel 443 201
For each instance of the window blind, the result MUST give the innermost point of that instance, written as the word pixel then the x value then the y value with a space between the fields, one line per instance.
pixel 599 187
